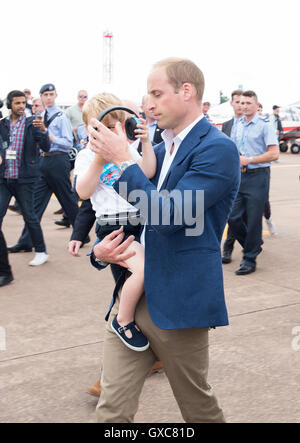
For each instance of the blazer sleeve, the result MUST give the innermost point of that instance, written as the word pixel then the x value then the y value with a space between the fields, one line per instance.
pixel 84 221
pixel 42 138
pixel 1 148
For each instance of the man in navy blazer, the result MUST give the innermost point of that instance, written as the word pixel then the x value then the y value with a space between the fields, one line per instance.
pixel 198 168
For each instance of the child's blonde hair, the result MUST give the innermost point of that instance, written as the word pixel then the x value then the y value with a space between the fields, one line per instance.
pixel 97 104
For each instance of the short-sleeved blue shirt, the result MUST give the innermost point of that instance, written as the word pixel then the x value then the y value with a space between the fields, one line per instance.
pixel 253 138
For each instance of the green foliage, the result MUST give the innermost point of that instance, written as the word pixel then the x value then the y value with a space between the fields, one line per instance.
pixel 223 98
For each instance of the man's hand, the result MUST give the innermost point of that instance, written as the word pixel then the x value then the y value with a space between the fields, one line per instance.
pixel 39 124
pixel 112 250
pixel 0 160
pixel 74 246
pixel 244 160
pixel 83 142
pixel 142 131
pixel 112 146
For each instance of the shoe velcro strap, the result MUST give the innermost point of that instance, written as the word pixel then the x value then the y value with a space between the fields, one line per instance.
pixel 130 326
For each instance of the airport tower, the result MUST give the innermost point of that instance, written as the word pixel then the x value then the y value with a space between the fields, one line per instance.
pixel 107 57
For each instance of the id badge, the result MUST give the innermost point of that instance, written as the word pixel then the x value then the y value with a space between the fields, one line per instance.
pixel 11 155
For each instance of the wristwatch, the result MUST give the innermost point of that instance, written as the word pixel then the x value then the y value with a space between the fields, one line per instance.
pixel 250 160
pixel 125 165
pixel 97 260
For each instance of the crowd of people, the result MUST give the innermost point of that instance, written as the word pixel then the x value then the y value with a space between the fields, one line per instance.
pixel 154 315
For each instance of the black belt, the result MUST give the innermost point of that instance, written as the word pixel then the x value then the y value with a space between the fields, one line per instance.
pixel 51 154
pixel 245 170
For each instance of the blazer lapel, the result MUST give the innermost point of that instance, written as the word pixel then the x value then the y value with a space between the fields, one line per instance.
pixel 160 155
pixel 191 140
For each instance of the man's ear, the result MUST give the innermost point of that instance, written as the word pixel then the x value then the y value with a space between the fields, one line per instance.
pixel 189 91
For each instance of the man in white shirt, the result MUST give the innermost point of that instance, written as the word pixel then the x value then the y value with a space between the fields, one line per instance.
pixel 184 294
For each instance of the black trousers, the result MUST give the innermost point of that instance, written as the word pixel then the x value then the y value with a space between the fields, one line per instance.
pixel 24 193
pixel 5 269
pixel 54 178
pixel 230 240
pixel 249 205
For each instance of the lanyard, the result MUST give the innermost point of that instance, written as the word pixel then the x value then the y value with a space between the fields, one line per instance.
pixel 243 151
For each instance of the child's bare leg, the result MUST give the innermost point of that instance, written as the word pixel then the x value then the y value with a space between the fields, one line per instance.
pixel 133 287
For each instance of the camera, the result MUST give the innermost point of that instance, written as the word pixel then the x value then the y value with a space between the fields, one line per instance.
pixel 38 115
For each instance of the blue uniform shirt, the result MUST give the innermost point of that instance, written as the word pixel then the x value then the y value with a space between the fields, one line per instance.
pixel 253 138
pixel 234 128
pixel 61 131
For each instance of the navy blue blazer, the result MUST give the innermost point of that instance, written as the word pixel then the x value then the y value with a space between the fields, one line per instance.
pixel 183 274
pixel 34 140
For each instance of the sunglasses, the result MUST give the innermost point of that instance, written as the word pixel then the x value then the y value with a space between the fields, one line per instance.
pixel 83 96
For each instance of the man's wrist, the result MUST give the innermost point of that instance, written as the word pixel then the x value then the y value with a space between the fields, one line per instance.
pixel 97 260
pixel 250 160
pixel 125 164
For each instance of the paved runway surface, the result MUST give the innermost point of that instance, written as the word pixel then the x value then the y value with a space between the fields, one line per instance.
pixel 53 317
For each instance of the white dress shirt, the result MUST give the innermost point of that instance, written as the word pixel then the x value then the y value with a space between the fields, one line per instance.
pixel 169 139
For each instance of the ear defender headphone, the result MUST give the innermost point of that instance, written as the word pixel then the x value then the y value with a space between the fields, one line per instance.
pixel 8 101
pixel 130 124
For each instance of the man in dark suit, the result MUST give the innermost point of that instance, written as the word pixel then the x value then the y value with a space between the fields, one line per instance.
pixel 184 294
pixel 22 138
pixel 229 128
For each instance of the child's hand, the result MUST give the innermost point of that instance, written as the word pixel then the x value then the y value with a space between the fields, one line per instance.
pixel 142 132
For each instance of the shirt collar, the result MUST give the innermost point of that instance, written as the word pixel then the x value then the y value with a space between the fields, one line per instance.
pixel 21 118
pixel 254 120
pixel 52 109
pixel 169 139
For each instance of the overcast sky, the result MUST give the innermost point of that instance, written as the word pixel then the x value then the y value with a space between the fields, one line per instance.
pixel 251 43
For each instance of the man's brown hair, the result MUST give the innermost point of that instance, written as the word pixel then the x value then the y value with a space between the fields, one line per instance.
pixel 250 94
pixel 180 71
pixel 238 92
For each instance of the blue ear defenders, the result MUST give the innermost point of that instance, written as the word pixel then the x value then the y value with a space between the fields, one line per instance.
pixel 130 124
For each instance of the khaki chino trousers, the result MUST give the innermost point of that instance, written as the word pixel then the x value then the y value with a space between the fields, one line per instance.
pixel 184 354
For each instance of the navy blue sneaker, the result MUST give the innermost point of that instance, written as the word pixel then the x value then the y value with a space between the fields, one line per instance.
pixel 138 342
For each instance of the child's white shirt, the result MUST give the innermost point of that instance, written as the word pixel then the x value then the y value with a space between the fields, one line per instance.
pixel 105 199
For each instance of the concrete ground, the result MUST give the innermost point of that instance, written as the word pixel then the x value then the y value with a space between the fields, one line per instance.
pixel 53 320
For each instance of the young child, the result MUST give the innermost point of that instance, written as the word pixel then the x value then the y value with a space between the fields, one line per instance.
pixel 95 180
